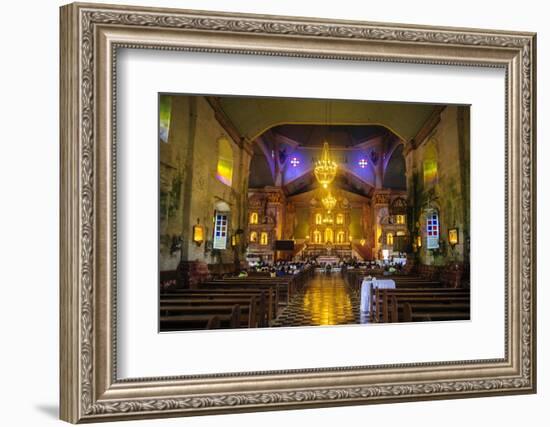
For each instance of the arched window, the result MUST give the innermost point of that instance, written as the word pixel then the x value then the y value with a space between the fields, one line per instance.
pixel 253 237
pixel 264 239
pixel 165 110
pixel 389 239
pixel 400 219
pixel 254 218
pixel 340 237
pixel 340 219
pixel 221 224
pixel 329 235
pixel 432 230
pixel 224 170
pixel 317 236
pixel 318 219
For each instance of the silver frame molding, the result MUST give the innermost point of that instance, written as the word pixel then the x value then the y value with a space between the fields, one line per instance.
pixel 90 37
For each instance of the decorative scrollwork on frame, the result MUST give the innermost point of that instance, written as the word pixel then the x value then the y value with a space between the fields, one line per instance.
pixel 89 18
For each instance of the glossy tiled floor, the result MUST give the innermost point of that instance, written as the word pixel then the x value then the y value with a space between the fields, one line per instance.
pixel 326 300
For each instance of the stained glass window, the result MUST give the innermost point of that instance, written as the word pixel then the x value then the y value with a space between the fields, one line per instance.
pixel 224 170
pixel 165 111
pixel 432 230
pixel 429 166
pixel 220 230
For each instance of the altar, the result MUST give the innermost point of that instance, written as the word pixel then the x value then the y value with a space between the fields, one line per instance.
pixel 327 259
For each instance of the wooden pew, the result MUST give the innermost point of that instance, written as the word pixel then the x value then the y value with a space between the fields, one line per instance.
pixel 229 319
pixel 271 294
pixel 297 281
pixel 354 278
pixel 247 319
pixel 253 313
pixel 258 299
pixel 411 315
pixel 266 298
pixel 214 323
pixel 443 303
pixel 283 288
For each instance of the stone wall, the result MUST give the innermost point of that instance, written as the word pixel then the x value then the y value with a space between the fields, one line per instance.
pixel 438 179
pixel 190 189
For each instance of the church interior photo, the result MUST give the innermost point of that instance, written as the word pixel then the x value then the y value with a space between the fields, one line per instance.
pixel 282 212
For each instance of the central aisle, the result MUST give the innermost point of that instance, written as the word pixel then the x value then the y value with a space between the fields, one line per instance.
pixel 326 300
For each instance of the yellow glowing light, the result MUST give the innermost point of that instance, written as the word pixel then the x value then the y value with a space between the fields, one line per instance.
pixel 224 170
pixel 453 236
pixel 430 172
pixel 325 168
pixel 329 202
pixel 328 219
pixel 317 236
pixel 326 303
pixel 198 234
pixel 264 239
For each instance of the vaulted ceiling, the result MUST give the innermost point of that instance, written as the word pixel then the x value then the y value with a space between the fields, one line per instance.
pixel 338 135
pixel 344 180
pixel 253 115
pixel 286 128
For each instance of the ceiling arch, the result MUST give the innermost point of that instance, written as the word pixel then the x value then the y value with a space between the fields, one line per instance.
pixel 394 173
pixel 344 180
pixel 252 116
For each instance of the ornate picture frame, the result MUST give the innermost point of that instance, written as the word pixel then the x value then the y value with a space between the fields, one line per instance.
pixel 90 37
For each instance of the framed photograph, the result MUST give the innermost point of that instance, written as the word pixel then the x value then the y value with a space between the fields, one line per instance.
pixel 266 212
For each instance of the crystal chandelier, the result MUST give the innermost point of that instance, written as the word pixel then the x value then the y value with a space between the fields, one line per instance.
pixel 325 168
pixel 329 201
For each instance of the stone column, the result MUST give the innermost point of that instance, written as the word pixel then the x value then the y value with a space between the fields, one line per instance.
pixel 378 164
pixel 380 202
